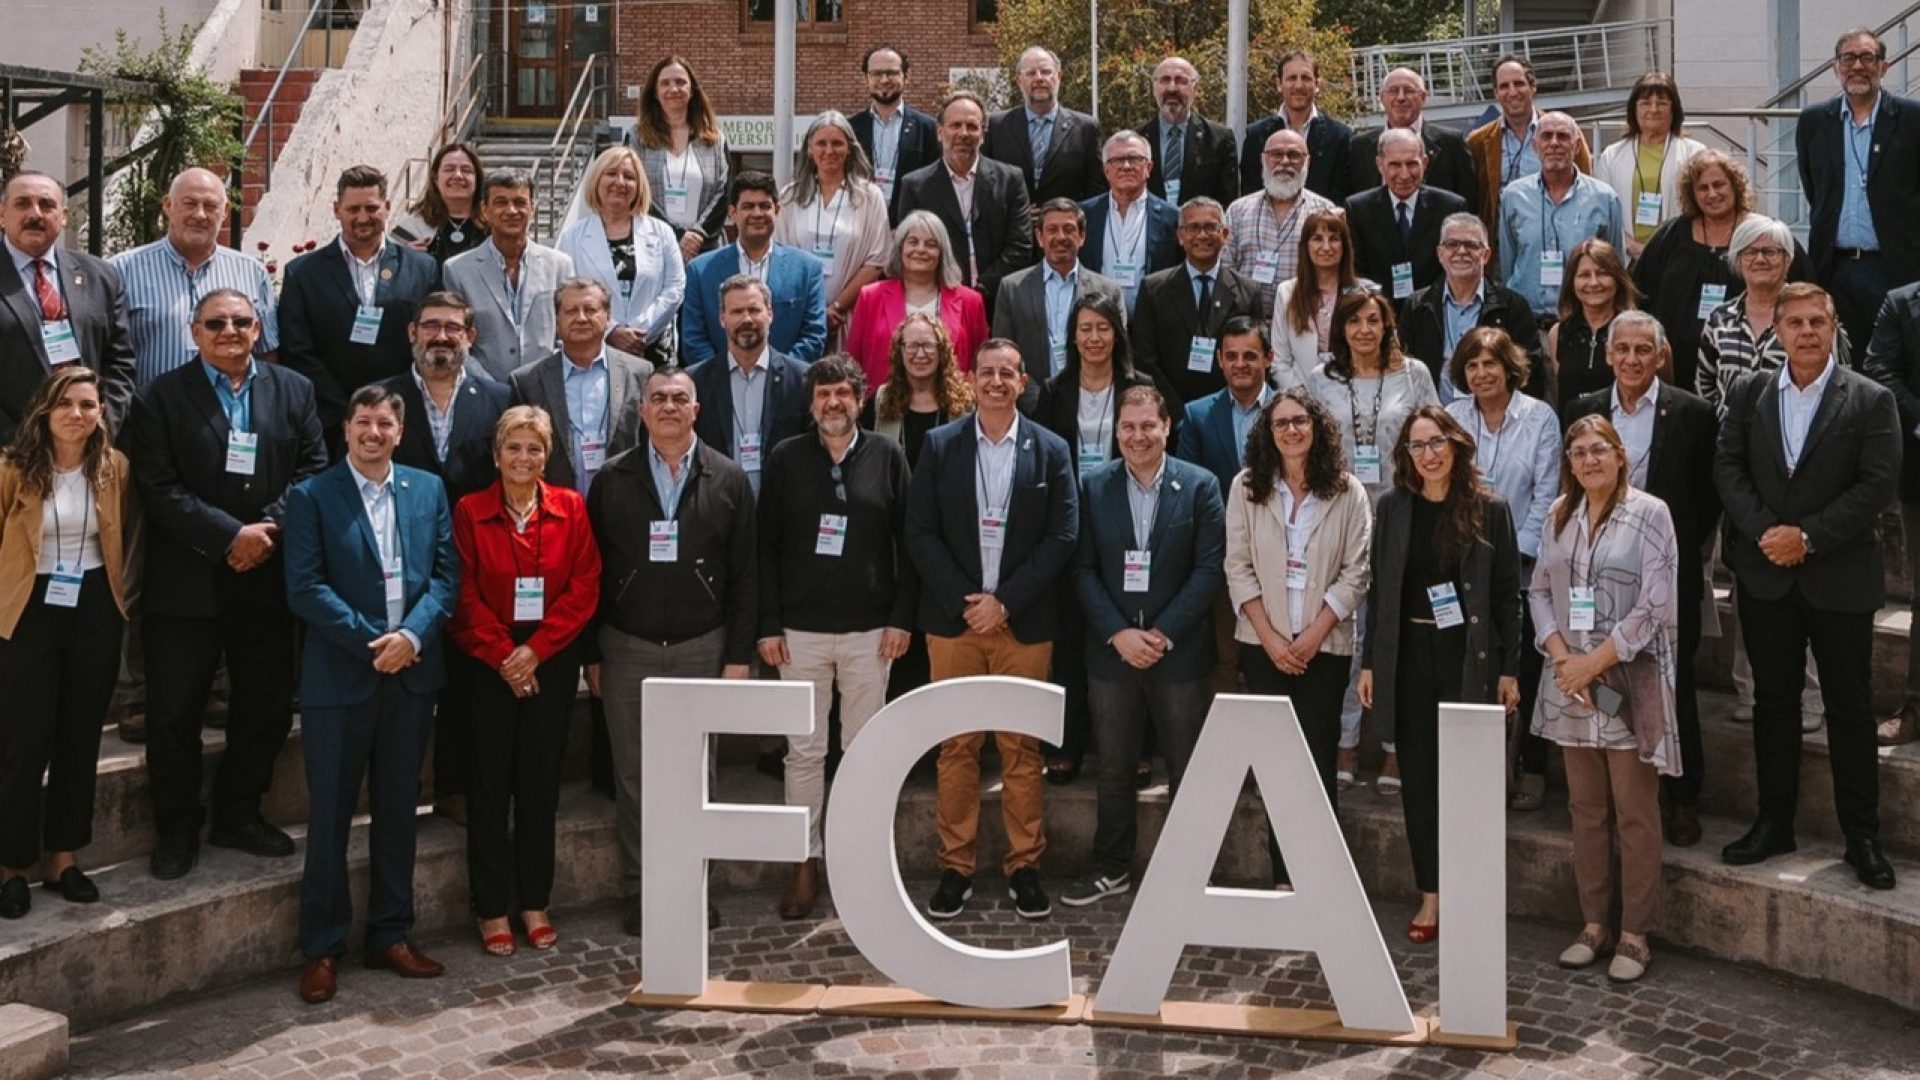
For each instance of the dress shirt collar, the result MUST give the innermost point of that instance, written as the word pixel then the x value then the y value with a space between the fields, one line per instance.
pixel 1479 293
pixel 220 378
pixel 980 433
pixel 1651 397
pixel 1052 114
pixel 1817 387
pixel 759 364
pixel 1151 487
pixel 659 461
pixel 23 262
pixel 420 381
pixel 361 479
pixel 957 176
pixel 569 369
pixel 1313 113
pixel 1194 272
pixel 1053 275
pixel 365 264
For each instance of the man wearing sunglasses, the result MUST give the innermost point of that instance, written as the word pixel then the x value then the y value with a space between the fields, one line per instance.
pixel 217 444
pixel 837 590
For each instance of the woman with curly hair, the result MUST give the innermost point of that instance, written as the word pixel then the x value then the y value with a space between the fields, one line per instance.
pixel 1303 308
pixel 685 155
pixel 445 220
pixel 1297 548
pixel 1445 604
pixel 924 387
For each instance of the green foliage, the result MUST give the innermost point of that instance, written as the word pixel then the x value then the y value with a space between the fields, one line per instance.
pixel 1135 35
pixel 194 122
pixel 1388 22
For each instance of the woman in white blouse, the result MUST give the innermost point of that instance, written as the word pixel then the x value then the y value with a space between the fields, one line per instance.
pixel 1644 168
pixel 835 212
pixel 1303 308
pixel 1605 603
pixel 633 254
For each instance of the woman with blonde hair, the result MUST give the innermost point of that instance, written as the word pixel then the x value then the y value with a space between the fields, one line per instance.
pixel 634 255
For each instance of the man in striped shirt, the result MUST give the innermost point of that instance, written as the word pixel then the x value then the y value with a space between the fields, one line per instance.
pixel 165 279
pixel 1263 228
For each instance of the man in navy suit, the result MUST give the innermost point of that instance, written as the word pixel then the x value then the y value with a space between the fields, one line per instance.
pixel 992 517
pixel 455 409
pixel 1151 561
pixel 1396 226
pixel 1130 232
pixel 215 446
pixel 1327 139
pixel 982 202
pixel 753 397
pixel 57 305
pixel 897 137
pixel 1859 158
pixel 345 306
pixel 792 276
pixel 371 570
pixel 1056 149
pixel 1206 162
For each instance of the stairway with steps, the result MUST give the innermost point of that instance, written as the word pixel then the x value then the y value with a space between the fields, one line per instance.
pixel 529 146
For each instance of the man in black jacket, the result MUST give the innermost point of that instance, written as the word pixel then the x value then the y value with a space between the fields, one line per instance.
pixel 897 137
pixel 1433 320
pixel 1893 360
pixel 1403 94
pixel 837 590
pixel 1396 226
pixel 675 523
pixel 215 447
pixel 1206 162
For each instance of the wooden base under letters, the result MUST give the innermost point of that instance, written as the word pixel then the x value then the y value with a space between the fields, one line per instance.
pixel 751 997
pixel 1217 1018
pixel 1441 1037
pixel 905 1004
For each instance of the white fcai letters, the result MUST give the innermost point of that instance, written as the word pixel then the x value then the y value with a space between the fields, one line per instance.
pixel 683 829
pixel 1473 879
pixel 863 862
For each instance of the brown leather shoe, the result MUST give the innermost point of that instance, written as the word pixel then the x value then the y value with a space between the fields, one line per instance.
pixel 1899 730
pixel 317 982
pixel 130 722
pixel 406 961
pixel 797 902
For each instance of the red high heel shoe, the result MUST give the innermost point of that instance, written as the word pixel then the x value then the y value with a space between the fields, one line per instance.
pixel 1423 935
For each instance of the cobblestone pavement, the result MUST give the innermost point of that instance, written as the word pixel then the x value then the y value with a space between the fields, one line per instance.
pixel 561 1014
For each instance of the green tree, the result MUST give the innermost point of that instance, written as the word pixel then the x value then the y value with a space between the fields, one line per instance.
pixel 1387 22
pixel 194 119
pixel 1135 35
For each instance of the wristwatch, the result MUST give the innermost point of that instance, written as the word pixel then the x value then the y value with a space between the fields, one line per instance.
pixel 1806 541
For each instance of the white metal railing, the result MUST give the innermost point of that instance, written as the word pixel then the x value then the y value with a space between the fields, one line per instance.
pixel 1568 61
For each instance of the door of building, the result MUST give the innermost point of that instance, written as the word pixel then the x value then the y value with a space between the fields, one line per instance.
pixel 549 43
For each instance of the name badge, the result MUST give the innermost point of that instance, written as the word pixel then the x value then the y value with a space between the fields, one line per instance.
pixel 396 582
pixel 1580 608
pixel 1553 268
pixel 1402 280
pixel 676 201
pixel 1446 605
pixel 1200 354
pixel 1173 192
pixel 1056 356
pixel 663 541
pixel 58 337
pixel 1646 208
pixel 63 588
pixel 824 252
pixel 747 451
pixel 1266 266
pixel 1366 463
pixel 366 325
pixel 1125 274
pixel 832 539
pixel 884 178
pixel 1711 296
pixel 1296 572
pixel 243 452
pixel 993 528
pixel 529 599
pixel 593 455
pixel 1092 457
pixel 1136 571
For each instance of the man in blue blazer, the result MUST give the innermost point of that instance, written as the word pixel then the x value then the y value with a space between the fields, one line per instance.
pixel 992 517
pixel 752 396
pixel 1128 254
pixel 793 276
pixel 1151 561
pixel 371 570
pixel 1214 436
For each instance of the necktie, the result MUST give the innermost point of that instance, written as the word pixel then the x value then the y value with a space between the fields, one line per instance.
pixel 1406 224
pixel 1175 156
pixel 1042 136
pixel 1206 297
pixel 52 306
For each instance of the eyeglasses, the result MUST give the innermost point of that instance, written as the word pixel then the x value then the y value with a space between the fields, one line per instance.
pixel 1767 254
pixel 1284 155
pixel 1471 247
pixel 437 327
pixel 1201 228
pixel 1590 453
pixel 1129 161
pixel 1292 423
pixel 918 348
pixel 1431 446
pixel 218 324
pixel 1857 59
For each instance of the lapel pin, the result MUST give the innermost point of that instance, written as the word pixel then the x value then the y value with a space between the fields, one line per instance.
pixel 1175 483
pixel 403 483
pixel 79 279
pixel 386 274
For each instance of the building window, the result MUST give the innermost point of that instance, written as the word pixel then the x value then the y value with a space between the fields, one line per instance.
pixel 809 11
pixel 986 12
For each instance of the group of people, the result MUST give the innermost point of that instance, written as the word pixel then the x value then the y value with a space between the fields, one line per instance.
pixel 975 394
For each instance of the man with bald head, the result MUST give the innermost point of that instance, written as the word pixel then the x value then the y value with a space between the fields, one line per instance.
pixel 1403 97
pixel 1056 149
pixel 1263 228
pixel 165 278
pixel 1396 226
pixel 1192 155
pixel 1544 215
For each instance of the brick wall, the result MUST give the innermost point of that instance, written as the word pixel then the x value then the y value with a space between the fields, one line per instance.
pixel 734 58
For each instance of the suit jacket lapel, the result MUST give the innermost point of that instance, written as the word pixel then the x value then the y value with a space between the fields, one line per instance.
pixel 1767 421
pixel 1171 490
pixel 14 290
pixel 1656 447
pixel 342 275
pixel 1831 402
pixel 207 400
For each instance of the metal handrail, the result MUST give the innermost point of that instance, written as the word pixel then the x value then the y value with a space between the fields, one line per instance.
pixel 265 119
pixel 559 153
pixel 450 129
pixel 1369 65
pixel 1792 90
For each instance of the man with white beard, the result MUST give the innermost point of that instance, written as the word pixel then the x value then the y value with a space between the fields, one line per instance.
pixel 837 591
pixel 1263 229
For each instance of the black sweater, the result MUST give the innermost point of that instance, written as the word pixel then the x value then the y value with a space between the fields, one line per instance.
pixel 871 583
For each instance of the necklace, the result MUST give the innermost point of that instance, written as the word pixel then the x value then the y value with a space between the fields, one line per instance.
pixel 459 233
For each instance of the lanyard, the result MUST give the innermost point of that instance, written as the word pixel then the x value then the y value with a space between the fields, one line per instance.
pixel 1123 243
pixel 1490 440
pixel 1103 427
pixel 986 487
pixel 59 541
pixel 1353 410
pixel 839 202
pixel 1657 173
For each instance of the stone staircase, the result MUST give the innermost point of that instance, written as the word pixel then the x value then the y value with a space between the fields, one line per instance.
pixel 256 84
pixel 529 146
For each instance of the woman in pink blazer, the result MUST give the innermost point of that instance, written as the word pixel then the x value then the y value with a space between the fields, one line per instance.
pixel 921 275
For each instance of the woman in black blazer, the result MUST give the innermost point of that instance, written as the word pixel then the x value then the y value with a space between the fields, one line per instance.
pixel 1445 600
pixel 1082 406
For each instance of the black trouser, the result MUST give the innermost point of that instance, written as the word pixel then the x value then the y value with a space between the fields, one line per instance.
pixel 513 781
pixel 1126 709
pixel 452 735
pixel 1070 674
pixel 1431 662
pixel 1778 633
pixel 1684 790
pixel 1317 695
pixel 182 655
pixel 58 672
pixel 1858 286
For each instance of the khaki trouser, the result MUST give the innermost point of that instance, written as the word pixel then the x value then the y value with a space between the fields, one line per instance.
pixel 958 803
pixel 1612 791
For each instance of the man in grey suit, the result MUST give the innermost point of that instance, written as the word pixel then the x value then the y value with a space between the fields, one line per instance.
pixel 592 392
pixel 1033 303
pixel 1807 460
pixel 509 280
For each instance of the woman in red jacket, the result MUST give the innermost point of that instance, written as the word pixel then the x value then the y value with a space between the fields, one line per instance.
pixel 529 584
pixel 922 275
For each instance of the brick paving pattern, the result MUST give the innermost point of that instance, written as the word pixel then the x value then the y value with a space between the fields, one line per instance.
pixel 562 1014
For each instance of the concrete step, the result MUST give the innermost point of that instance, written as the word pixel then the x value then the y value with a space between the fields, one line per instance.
pixel 1713 664
pixel 1802 916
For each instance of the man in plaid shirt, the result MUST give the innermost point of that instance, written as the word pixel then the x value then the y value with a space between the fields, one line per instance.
pixel 1263 229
